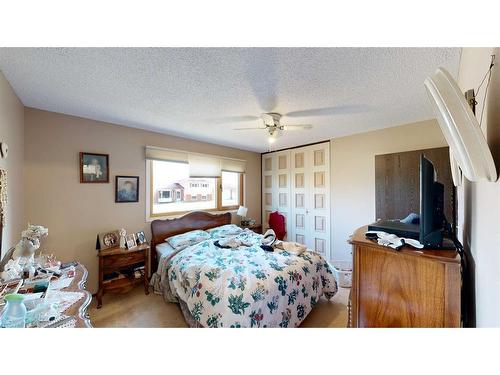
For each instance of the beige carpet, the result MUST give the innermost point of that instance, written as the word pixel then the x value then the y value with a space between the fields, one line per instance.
pixel 135 309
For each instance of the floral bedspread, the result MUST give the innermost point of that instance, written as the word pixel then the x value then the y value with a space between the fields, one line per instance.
pixel 246 286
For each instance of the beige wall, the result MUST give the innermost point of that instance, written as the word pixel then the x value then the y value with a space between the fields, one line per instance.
pixel 75 212
pixel 12 132
pixel 353 174
pixel 479 202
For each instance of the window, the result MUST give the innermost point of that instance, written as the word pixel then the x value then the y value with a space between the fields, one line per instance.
pixel 173 191
pixel 231 184
pixel 164 196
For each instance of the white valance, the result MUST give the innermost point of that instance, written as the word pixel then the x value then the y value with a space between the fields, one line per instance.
pixel 233 165
pixel 200 165
pixel 165 154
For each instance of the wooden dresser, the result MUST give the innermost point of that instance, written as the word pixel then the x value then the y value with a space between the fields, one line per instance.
pixel 406 288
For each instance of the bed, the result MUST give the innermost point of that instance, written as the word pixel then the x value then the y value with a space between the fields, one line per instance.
pixel 235 287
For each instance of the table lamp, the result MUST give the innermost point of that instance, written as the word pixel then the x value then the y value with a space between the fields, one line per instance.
pixel 242 212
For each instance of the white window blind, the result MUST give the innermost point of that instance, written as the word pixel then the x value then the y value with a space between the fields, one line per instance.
pixel 200 165
pixel 165 154
pixel 204 166
pixel 233 165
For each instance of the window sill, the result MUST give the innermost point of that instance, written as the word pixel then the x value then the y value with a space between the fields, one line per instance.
pixel 181 214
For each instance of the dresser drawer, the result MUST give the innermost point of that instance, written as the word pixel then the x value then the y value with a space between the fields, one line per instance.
pixel 123 260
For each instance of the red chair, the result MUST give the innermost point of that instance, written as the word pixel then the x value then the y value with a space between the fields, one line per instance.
pixel 277 223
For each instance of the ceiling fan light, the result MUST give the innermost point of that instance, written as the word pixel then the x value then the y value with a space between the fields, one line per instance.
pixel 271 138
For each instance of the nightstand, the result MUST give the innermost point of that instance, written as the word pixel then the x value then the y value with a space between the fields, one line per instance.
pixel 116 270
pixel 257 228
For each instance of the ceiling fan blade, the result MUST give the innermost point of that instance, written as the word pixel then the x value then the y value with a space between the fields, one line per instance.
pixel 330 111
pixel 231 119
pixel 249 128
pixel 297 127
pixel 268 119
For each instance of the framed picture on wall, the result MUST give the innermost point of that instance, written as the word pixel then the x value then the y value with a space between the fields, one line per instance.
pixel 94 168
pixel 126 189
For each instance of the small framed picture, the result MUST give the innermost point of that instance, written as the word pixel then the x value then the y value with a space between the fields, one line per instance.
pixel 141 237
pixel 108 239
pixel 126 189
pixel 94 168
pixel 131 241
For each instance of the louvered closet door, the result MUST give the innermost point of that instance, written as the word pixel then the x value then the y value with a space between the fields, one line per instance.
pixel 269 200
pixel 283 188
pixel 310 192
pixel 299 194
pixel 297 183
pixel 318 198
pixel 276 187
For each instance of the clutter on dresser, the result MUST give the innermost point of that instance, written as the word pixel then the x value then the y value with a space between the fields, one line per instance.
pixel 37 298
pixel 391 240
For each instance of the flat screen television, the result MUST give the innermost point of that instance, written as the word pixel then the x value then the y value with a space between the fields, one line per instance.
pixel 431 206
pixel 429 226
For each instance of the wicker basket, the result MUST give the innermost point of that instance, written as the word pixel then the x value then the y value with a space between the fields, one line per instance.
pixel 343 273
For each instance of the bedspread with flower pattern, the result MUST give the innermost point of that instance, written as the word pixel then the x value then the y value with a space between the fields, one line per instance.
pixel 247 286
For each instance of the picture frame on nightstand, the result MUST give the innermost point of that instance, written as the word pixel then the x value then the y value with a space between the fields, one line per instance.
pixel 130 241
pixel 141 238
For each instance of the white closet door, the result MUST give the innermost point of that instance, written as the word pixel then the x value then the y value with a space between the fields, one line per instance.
pixel 276 187
pixel 269 200
pixel 318 198
pixel 283 188
pixel 299 183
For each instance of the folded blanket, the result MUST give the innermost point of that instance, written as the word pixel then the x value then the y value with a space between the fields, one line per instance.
pixel 291 247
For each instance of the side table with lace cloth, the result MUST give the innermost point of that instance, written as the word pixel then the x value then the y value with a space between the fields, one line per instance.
pixel 71 301
pixel 76 300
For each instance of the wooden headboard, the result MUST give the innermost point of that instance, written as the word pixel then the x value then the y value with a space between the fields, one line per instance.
pixel 162 229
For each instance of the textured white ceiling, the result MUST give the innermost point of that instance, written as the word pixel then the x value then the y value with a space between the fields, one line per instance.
pixel 200 93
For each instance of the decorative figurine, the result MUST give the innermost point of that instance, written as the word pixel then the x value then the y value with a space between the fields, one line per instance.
pixel 23 256
pixel 30 241
pixel 123 242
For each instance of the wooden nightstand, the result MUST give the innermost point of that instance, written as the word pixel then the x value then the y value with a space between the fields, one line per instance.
pixel 120 260
pixel 257 228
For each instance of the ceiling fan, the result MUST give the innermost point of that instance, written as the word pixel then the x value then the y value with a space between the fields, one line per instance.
pixel 273 126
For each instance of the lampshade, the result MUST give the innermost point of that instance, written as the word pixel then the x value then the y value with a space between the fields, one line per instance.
pixel 242 211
